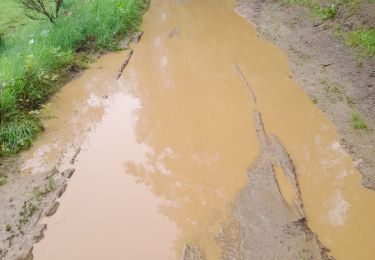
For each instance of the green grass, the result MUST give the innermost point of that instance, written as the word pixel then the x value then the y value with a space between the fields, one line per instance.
pixel 323 13
pixel 316 9
pixel 36 58
pixel 358 122
pixel 364 39
pixel 351 6
pixel 11 16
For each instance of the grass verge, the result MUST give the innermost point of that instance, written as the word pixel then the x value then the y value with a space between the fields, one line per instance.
pixel 37 58
pixel 323 13
pixel 364 39
pixel 317 10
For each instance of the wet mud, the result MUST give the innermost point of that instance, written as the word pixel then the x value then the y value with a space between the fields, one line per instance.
pixel 269 211
pixel 201 147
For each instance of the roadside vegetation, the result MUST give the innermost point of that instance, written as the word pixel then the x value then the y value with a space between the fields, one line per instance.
pixel 38 55
pixel 352 23
pixel 363 39
pixel 360 37
pixel 336 93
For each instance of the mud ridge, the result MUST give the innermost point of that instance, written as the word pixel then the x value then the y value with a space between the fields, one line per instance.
pixel 135 38
pixel 246 83
pixel 263 235
pixel 266 225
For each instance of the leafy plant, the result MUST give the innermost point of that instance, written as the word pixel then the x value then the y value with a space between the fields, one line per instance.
pixel 358 122
pixel 50 185
pixel 324 13
pixel 363 39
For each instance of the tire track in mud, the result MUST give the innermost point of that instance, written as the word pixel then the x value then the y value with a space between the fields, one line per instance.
pixel 269 221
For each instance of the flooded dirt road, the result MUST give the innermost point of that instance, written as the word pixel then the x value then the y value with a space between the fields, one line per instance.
pixel 166 148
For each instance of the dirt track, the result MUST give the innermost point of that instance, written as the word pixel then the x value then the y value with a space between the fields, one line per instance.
pixel 196 154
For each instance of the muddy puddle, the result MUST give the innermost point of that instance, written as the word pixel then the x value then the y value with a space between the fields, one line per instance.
pixel 166 148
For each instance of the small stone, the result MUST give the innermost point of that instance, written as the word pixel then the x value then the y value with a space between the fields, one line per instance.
pixel 72 161
pixel 68 173
pixel 317 24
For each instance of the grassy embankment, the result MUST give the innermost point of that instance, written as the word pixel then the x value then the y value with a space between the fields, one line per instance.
pixel 36 57
pixel 347 18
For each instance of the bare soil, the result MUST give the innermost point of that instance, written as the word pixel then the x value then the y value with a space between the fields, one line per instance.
pixel 329 72
pixel 263 235
pixel 25 199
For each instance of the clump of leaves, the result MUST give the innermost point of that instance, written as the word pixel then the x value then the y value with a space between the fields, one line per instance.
pixel 8 228
pixel 50 185
pixel 324 13
pixel 363 39
pixel 358 122
pixel 18 135
pixel 37 193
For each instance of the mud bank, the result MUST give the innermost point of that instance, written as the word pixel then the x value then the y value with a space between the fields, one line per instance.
pixel 273 190
pixel 25 200
pixel 38 177
pixel 327 70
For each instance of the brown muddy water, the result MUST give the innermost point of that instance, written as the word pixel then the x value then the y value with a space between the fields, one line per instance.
pixel 166 148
